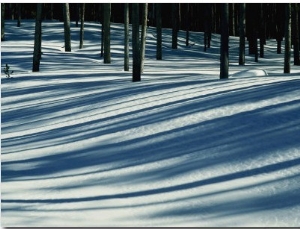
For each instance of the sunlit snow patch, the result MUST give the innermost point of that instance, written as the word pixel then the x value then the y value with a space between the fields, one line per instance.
pixel 249 73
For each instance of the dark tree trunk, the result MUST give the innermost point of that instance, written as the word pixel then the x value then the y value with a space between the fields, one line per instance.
pixel 175 18
pixel 12 10
pixel 107 12
pixel 67 27
pixel 37 39
pixel 279 46
pixel 251 25
pixel 187 24
pixel 2 21
pixel 158 32
pixel 224 63
pixel 231 19
pixel 82 12
pixel 255 48
pixel 51 12
pixel 77 13
pixel 126 37
pixel 210 16
pixel 287 35
pixel 144 34
pixel 102 28
pixel 19 5
pixel 206 11
pixel 242 24
pixel 279 26
pixel 136 52
pixel 262 38
pixel 296 34
pixel 207 25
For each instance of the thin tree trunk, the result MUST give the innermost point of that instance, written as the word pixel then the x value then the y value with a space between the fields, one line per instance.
pixel 287 52
pixel 51 12
pixel 82 12
pixel 136 52
pixel 67 27
pixel 262 32
pixel 206 26
pixel 242 24
pixel 187 24
pixel 102 28
pixel 144 34
pixel 12 10
pixel 210 6
pixel 126 37
pixel 37 39
pixel 2 21
pixel 251 27
pixel 158 32
pixel 279 26
pixel 107 10
pixel 231 19
pixel 296 34
pixel 175 25
pixel 255 48
pixel 224 63
pixel 77 11
pixel 19 5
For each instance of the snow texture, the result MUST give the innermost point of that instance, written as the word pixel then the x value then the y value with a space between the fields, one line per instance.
pixel 81 145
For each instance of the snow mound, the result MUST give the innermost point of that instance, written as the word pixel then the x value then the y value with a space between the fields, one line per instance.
pixel 252 72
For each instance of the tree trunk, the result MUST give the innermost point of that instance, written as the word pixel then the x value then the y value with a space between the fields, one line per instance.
pixel 51 12
pixel 136 52
pixel 255 48
pixel 158 32
pixel 242 24
pixel 287 52
pixel 187 24
pixel 206 11
pixel 37 39
pixel 12 10
pixel 106 22
pixel 77 12
pixel 67 27
pixel 19 5
pixel 82 12
pixel 207 25
pixel 296 34
pixel 144 34
pixel 126 37
pixel 231 19
pixel 102 28
pixel 175 17
pixel 2 21
pixel 210 6
pixel 279 26
pixel 251 25
pixel 262 38
pixel 224 63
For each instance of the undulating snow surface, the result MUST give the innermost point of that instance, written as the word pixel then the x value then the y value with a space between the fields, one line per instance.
pixel 81 145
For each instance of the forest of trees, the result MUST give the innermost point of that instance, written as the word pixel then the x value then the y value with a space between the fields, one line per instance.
pixel 254 23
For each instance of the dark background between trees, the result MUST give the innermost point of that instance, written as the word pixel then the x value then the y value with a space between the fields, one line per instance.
pixel 268 15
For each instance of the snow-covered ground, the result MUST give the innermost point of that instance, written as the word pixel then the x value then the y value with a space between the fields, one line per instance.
pixel 81 145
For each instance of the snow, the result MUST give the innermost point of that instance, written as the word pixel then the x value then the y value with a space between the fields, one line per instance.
pixel 81 145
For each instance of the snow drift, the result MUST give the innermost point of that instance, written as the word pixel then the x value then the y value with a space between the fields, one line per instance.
pixel 82 145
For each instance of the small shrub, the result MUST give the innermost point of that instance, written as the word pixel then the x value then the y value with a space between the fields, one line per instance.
pixel 7 71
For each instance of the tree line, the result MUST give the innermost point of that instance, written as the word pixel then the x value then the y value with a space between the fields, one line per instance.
pixel 252 22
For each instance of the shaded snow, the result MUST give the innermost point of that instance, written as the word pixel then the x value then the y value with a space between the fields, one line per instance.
pixel 81 145
pixel 249 73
